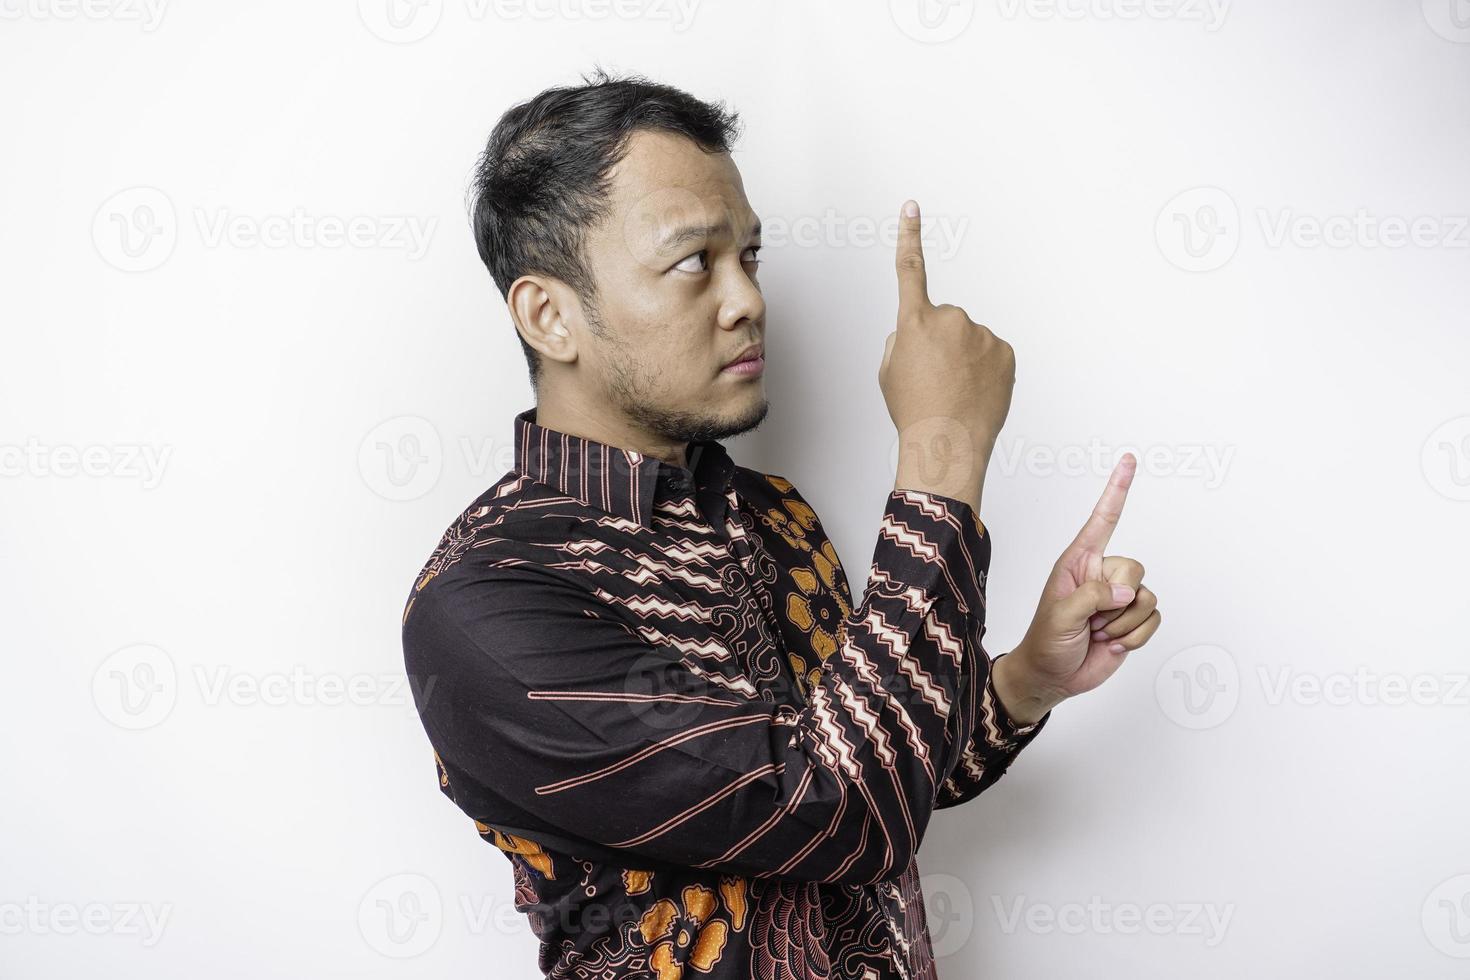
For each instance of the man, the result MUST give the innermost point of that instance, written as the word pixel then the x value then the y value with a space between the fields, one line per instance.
pixel 654 692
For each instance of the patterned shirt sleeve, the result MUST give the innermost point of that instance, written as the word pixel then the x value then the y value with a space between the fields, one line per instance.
pixel 552 716
pixel 992 747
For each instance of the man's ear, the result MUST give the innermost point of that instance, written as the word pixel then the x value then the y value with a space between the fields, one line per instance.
pixel 543 311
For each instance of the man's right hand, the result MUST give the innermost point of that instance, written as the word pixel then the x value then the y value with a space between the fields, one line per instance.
pixel 947 381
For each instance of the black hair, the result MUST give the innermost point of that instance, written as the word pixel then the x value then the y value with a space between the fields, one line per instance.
pixel 542 179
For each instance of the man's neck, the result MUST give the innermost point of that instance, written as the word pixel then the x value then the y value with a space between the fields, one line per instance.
pixel 607 427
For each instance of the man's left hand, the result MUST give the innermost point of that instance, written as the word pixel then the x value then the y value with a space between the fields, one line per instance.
pixel 1093 612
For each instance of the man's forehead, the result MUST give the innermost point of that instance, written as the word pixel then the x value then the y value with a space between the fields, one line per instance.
pixel 665 181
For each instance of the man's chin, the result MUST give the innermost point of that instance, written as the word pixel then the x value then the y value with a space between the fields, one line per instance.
pixel 727 425
pixel 750 420
pixel 703 424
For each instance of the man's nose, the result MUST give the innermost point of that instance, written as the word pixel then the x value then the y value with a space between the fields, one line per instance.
pixel 742 303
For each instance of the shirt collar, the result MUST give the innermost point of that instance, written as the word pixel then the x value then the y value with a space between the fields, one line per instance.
pixel 621 481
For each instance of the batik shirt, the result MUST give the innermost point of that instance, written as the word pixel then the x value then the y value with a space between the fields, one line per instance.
pixel 653 693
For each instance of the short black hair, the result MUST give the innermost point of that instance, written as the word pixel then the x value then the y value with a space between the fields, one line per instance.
pixel 542 179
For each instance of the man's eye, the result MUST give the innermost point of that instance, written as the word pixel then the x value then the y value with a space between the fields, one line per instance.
pixel 697 256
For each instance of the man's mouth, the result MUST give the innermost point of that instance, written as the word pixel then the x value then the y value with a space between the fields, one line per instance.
pixel 750 361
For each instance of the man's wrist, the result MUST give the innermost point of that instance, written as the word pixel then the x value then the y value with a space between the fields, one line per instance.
pixel 1024 700
pixel 938 455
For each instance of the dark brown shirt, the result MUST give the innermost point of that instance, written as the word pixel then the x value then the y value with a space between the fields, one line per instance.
pixel 653 693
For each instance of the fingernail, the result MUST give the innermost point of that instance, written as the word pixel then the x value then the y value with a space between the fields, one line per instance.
pixel 911 209
pixel 1116 647
pixel 1122 593
pixel 1096 621
pixel 1100 635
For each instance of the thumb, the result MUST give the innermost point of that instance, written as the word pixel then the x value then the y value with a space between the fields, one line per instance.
pixel 1091 598
pixel 888 350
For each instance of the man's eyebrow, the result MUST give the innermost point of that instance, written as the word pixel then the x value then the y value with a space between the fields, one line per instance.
pixel 682 236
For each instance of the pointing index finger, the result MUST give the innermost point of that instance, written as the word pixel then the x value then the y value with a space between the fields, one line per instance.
pixel 913 283
pixel 1098 530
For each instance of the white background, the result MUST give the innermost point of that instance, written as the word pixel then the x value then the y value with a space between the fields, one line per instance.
pixel 1127 192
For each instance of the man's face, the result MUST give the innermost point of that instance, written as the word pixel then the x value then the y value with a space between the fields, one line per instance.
pixel 677 295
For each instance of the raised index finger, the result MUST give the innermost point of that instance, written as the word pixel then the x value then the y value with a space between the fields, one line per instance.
pixel 1098 530
pixel 913 284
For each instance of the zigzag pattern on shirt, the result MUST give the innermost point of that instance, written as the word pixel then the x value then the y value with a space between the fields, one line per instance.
pixel 652 606
pixel 898 531
pixel 861 712
pixel 690 527
pixel 678 508
pixel 830 738
pixel 651 567
pixel 704 553
pixel 928 504
pixel 919 678
pixel 971 765
pixel 949 644
pixel 988 726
